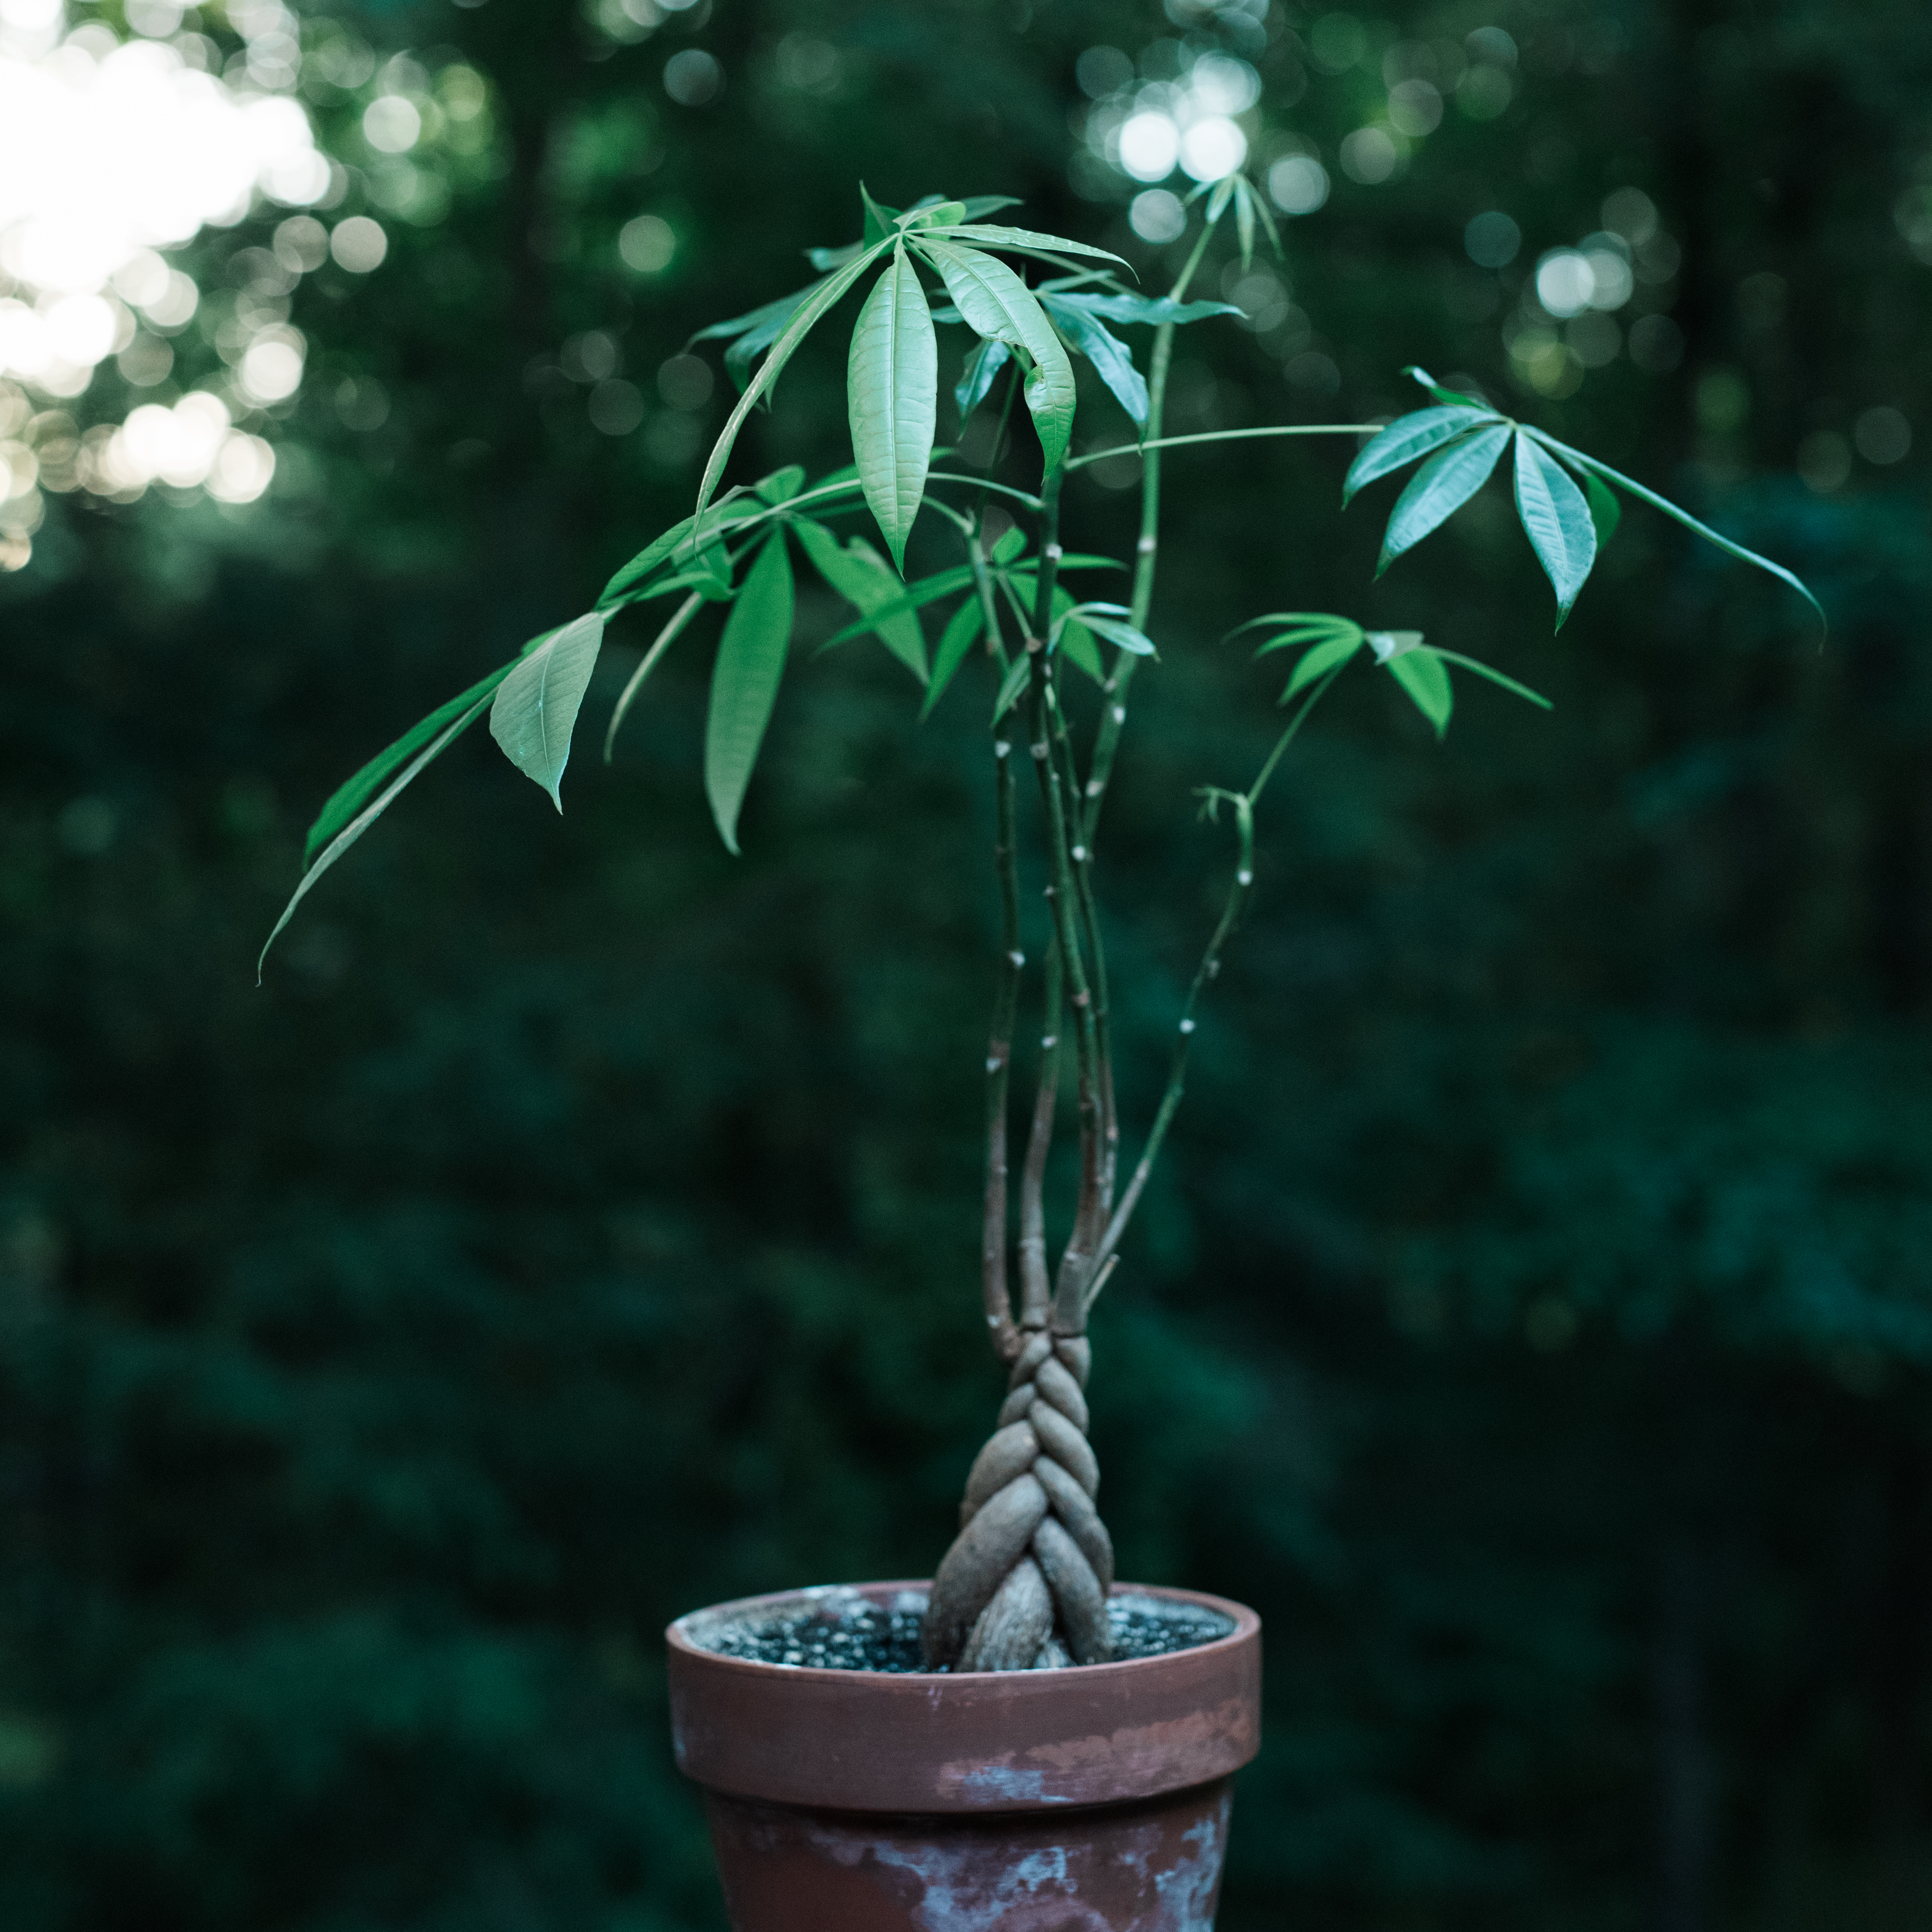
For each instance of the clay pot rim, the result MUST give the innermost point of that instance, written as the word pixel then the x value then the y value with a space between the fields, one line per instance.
pixel 1246 1623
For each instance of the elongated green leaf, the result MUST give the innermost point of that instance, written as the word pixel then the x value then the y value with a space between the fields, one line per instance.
pixel 862 576
pixel 1325 657
pixel 1436 389
pixel 981 366
pixel 1010 543
pixel 905 599
pixel 803 320
pixel 744 683
pixel 1315 622
pixel 1244 222
pixel 536 705
pixel 881 222
pixel 1076 642
pixel 349 797
pixel 826 259
pixel 1420 672
pixel 648 663
pixel 774 313
pixel 996 302
pixel 1124 635
pixel 1556 519
pixel 631 584
pixel 1440 488
pixel 1030 239
pixel 933 214
pixel 1152 310
pixel 373 811
pixel 1684 517
pixel 963 629
pixel 1496 677
pixel 978 206
pixel 1605 512
pixel 1409 437
pixel 1107 352
pixel 1011 685
pixel 891 392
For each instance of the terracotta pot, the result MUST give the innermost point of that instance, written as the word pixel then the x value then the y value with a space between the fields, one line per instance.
pixel 1083 1800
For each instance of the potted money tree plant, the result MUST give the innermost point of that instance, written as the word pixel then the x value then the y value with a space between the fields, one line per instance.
pixel 1023 1741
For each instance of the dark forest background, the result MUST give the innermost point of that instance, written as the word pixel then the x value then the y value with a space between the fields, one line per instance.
pixel 1534 1321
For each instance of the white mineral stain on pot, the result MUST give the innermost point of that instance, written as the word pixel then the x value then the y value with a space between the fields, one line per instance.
pixel 1187 1892
pixel 959 1897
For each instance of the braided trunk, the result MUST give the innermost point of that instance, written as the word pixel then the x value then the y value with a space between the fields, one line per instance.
pixel 1025 1584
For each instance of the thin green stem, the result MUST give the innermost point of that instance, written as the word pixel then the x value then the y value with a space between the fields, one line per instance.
pixel 1221 435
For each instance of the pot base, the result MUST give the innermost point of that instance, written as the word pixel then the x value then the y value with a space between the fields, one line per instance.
pixel 1151 1867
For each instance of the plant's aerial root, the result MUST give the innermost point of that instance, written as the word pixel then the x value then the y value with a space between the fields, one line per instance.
pixel 1025 1585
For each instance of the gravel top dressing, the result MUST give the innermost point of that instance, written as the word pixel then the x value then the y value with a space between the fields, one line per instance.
pixel 838 1629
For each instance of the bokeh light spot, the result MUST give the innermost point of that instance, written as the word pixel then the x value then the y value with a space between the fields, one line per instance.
pixel 1492 240
pixel 359 244
pixel 1298 184
pixel 1156 216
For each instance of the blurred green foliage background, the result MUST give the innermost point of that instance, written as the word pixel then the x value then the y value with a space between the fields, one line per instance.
pixel 1533 1321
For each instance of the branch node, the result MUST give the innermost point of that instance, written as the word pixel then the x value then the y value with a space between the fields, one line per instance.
pixel 1039 752
pixel 1244 878
pixel 1120 714
pixel 1187 1026
pixel 1000 748
pixel 1016 960
pixel 1147 545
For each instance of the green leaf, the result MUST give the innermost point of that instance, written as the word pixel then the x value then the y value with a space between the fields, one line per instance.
pixel 536 705
pixel 1442 394
pixel 772 312
pixel 1327 656
pixel 826 259
pixel 1407 438
pixel 862 576
pixel 1154 310
pixel 1244 222
pixel 1312 623
pixel 1440 488
pixel 963 629
pixel 1012 541
pixel 1420 672
pixel 978 204
pixel 744 683
pixel 997 303
pixel 1258 202
pixel 802 322
pixel 1605 512
pixel 933 214
pixel 981 366
pixel 1556 519
pixel 1684 518
pixel 782 485
pixel 1496 677
pixel 1027 240
pixel 370 812
pixel 891 388
pixel 881 222
pixel 1076 642
pixel 349 797
pixel 629 585
pixel 1011 685
pixel 1107 352
pixel 903 600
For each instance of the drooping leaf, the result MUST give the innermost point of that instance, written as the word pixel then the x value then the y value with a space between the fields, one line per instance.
pixel 803 320
pixel 1440 488
pixel 891 388
pixel 863 577
pixel 1420 672
pixel 1556 519
pixel 1330 655
pixel 1605 512
pixel 1124 635
pixel 997 303
pixel 1154 310
pixel 774 313
pixel 348 798
pixel 1684 517
pixel 744 683
pixel 1296 627
pixel 1496 677
pixel 1106 352
pixel 645 665
pixel 1407 438
pixel 981 366
pixel 375 809
pixel 536 705
pixel 1030 240
pixel 978 206
pixel 963 629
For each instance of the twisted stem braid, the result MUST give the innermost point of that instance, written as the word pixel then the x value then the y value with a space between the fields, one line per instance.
pixel 1025 1584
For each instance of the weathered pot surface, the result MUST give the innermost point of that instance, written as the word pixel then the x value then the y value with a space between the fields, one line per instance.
pixel 1089 1799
